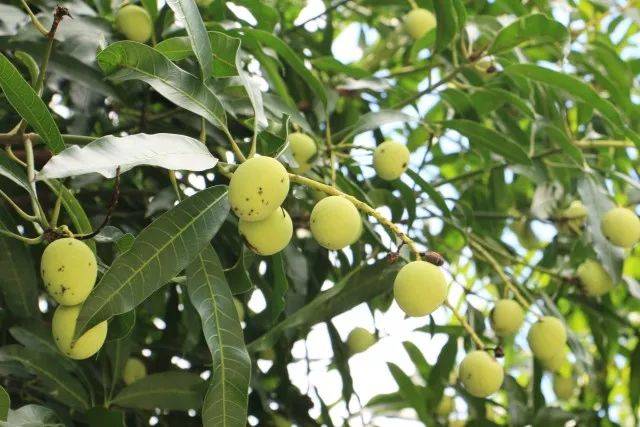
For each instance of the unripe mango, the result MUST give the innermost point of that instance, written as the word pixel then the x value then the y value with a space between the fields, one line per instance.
pixel 481 374
pixel 445 407
pixel 257 188
pixel 335 222
pixel 594 278
pixel 269 236
pixel 303 148
pixel 419 22
pixel 507 317
pixel 133 370
pixel 555 362
pixel 563 387
pixel 390 160
pixel 547 337
pixel 573 218
pixel 63 327
pixel 204 3
pixel 69 270
pixel 135 23
pixel 360 340
pixel 419 288
pixel 621 227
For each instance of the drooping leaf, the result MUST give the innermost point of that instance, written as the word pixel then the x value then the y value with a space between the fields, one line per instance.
pixel 186 13
pixel 490 139
pixel 158 254
pixel 280 286
pixel 127 60
pixel 289 55
pixel 18 281
pixel 28 104
pixel 374 120
pixel 450 16
pixel 359 285
pixel 533 28
pixel 225 403
pixel 62 385
pixel 579 90
pixel 106 154
pixel 433 194
pixel 171 390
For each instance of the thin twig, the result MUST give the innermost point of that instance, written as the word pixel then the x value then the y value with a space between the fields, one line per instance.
pixel 112 205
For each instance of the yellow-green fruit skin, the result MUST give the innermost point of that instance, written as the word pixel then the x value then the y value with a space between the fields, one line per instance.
pixel 269 236
pixel 563 387
pixel 445 407
pixel 573 218
pixel 335 222
pixel 547 337
pixel 555 362
pixel 239 309
pixel 481 374
pixel 133 370
pixel 507 317
pixel 204 3
pixel 63 327
pixel 621 227
pixel 419 22
pixel 390 160
pixel 135 23
pixel 419 288
pixel 257 188
pixel 303 149
pixel 69 270
pixel 594 278
pixel 360 340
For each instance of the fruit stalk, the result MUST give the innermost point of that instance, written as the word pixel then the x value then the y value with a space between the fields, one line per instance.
pixel 361 206
pixel 496 267
pixel 467 327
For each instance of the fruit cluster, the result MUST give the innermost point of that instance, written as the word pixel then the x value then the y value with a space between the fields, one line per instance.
pixel 69 270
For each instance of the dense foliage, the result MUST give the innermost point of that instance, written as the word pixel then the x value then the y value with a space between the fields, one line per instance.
pixel 472 163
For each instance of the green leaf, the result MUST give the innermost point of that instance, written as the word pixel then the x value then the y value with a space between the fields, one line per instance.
pixel 280 286
pixel 74 210
pixel 63 386
pixel 490 139
pixel 560 138
pixel 435 196
pixel 28 104
pixel 359 285
pixel 450 16
pixel 5 404
pixel 223 47
pixel 410 392
pixel 127 60
pixel 159 253
pixel 99 416
pixel 18 280
pixel 14 172
pixel 187 14
pixel 291 57
pixel 578 89
pixel 374 120
pixel 171 390
pixel 238 276
pixel 225 403
pixel 534 28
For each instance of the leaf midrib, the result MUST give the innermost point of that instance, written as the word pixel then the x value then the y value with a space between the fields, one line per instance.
pixel 145 263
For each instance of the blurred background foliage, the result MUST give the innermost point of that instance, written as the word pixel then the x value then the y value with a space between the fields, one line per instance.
pixel 512 110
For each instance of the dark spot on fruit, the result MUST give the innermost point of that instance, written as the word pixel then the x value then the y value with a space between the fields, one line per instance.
pixel 247 199
pixel 61 268
pixel 69 243
pixel 404 165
